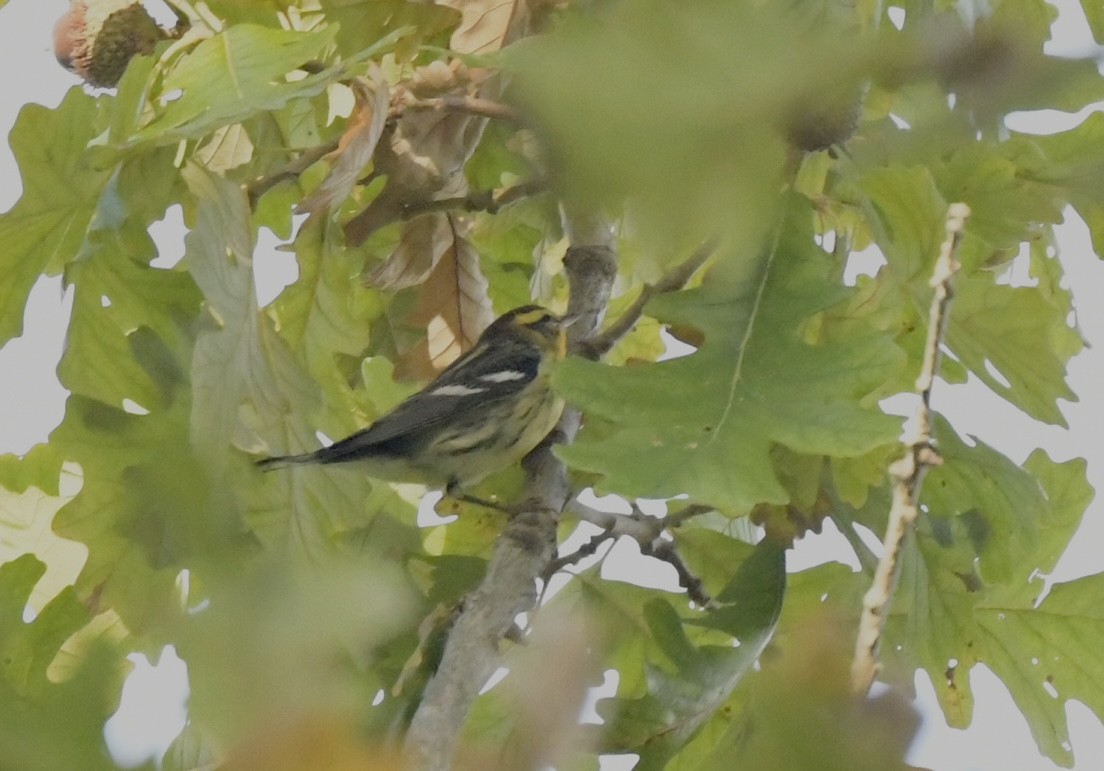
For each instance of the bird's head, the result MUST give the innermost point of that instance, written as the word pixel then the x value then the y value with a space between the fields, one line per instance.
pixel 537 325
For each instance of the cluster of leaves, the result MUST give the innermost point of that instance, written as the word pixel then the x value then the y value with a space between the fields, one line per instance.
pixel 298 601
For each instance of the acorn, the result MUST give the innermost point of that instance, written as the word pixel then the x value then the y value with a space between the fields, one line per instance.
pixel 826 119
pixel 96 39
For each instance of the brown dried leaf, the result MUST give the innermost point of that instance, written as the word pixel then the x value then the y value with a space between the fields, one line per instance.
pixel 433 146
pixel 487 25
pixel 424 240
pixel 452 306
pixel 357 144
pixel 423 157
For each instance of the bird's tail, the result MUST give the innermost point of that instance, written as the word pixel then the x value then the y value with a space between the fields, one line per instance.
pixel 283 461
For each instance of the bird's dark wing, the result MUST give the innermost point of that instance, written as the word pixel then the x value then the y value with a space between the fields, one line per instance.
pixel 482 377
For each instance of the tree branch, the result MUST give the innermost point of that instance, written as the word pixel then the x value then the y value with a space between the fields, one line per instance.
pixel 490 201
pixel 908 472
pixel 647 532
pixel 262 185
pixel 471 105
pixel 666 552
pixel 672 281
pixel 588 549
pixel 521 555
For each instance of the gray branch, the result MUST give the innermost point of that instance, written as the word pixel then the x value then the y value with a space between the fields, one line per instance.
pixel 648 534
pixel 522 553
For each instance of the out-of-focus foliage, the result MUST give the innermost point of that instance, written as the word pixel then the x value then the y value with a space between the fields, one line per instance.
pixel 311 605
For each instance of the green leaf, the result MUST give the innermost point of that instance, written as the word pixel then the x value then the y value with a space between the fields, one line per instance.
pixel 1045 655
pixel 649 144
pixel 754 595
pixel 304 634
pixel 1071 161
pixel 250 393
pixel 329 309
pixel 989 501
pixel 799 711
pixel 712 556
pixel 1005 208
pixel 614 612
pixel 46 228
pixel 1000 333
pixel 906 212
pixel 28 649
pixel 132 315
pixel 1094 13
pixel 363 22
pixel 705 424
pixel 142 510
pixel 32 490
pixel 39 467
pixel 234 74
pixel 32 707
pixel 1019 334
pixel 688 682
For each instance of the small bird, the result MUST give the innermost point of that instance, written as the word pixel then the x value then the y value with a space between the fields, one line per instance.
pixel 485 412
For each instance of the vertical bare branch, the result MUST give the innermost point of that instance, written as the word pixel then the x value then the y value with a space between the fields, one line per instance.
pixel 908 472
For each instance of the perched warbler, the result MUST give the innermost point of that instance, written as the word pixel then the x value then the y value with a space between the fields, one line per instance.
pixel 485 412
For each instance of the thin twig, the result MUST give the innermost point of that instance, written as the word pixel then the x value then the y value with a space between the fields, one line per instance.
pixel 308 158
pixel 676 518
pixel 674 280
pixel 472 105
pixel 588 549
pixel 490 201
pixel 648 533
pixel 637 525
pixel 908 472
pixel 666 552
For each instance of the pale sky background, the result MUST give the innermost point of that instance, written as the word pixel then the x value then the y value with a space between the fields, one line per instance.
pixel 32 403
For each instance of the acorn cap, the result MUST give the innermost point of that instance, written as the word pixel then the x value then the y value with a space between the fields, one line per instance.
pixel 96 39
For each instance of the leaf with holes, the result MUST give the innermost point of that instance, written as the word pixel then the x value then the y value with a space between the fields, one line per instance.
pixel 948 616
